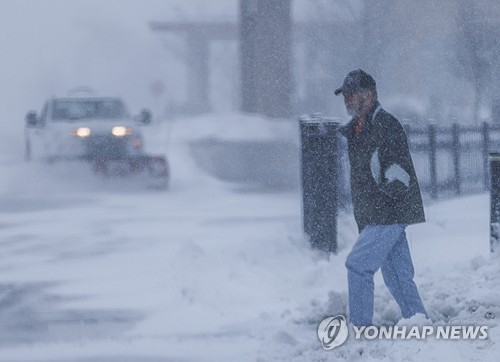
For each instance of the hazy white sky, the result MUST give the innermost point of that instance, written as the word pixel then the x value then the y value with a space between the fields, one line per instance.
pixel 51 46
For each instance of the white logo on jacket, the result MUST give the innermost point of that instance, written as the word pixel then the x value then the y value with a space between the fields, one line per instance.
pixel 393 173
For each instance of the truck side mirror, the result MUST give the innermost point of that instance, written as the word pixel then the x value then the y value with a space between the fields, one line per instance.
pixel 145 116
pixel 31 119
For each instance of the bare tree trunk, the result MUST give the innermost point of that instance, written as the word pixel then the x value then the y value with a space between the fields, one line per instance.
pixel 475 106
pixel 478 99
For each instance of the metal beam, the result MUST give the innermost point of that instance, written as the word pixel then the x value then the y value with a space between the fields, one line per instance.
pixel 230 31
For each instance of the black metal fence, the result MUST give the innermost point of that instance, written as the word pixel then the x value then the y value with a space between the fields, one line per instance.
pixel 449 160
pixel 453 160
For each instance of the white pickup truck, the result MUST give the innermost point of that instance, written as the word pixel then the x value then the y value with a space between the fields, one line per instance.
pixel 95 129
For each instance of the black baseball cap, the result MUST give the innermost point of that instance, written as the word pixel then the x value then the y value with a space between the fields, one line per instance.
pixel 356 81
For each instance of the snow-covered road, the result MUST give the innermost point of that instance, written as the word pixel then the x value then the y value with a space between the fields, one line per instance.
pixel 94 271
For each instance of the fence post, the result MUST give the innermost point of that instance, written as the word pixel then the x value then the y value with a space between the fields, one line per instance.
pixel 494 162
pixel 433 161
pixel 320 175
pixel 456 158
pixel 486 150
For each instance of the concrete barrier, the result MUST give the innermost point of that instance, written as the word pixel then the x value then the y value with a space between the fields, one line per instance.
pixel 263 163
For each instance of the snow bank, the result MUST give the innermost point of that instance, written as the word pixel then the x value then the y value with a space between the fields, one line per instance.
pixel 248 150
pixel 236 127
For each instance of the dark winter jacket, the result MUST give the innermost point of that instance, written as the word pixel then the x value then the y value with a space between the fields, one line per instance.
pixel 384 185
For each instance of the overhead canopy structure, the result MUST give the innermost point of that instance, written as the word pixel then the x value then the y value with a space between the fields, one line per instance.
pixel 264 34
pixel 265 58
pixel 198 37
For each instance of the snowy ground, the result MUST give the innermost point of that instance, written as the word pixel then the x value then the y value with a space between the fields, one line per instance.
pixel 93 271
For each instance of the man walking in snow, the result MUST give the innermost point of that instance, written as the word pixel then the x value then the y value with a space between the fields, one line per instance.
pixel 386 198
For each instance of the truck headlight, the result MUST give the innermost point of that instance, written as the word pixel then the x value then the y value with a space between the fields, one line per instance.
pixel 81 132
pixel 120 131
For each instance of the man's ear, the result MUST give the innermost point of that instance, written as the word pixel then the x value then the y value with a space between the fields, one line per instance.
pixel 366 95
pixel 369 96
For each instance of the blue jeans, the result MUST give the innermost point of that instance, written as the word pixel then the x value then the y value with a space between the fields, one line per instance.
pixel 386 247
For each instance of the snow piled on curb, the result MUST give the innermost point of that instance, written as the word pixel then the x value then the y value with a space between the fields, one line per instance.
pixel 236 127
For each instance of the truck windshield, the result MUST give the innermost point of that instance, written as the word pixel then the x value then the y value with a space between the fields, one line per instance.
pixel 76 109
